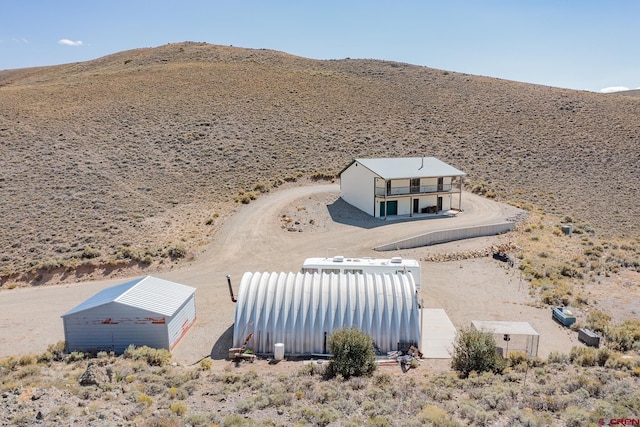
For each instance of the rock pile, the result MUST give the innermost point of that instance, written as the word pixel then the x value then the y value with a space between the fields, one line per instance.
pixel 470 254
pixel 94 375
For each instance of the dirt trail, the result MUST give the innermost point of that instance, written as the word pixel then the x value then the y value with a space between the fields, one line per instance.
pixel 253 239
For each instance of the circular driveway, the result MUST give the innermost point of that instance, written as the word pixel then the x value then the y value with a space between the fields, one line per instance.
pixel 253 239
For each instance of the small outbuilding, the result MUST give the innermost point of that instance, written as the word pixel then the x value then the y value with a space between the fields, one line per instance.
pixel 145 311
pixel 301 310
pixel 510 336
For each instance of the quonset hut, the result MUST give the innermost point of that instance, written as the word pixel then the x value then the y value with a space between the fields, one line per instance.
pixel 145 311
pixel 301 310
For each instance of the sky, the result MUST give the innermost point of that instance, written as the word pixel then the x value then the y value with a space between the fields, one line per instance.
pixel 576 44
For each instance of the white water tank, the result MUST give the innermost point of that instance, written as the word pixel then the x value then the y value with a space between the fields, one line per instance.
pixel 278 352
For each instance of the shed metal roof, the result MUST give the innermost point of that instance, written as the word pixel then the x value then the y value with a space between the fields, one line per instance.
pixel 146 293
pixel 504 327
pixel 409 167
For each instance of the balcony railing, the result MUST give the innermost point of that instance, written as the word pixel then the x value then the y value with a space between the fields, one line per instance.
pixel 423 189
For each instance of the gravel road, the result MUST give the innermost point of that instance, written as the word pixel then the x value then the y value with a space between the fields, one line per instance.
pixel 257 238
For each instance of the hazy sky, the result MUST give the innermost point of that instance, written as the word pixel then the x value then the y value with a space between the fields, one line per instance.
pixel 577 44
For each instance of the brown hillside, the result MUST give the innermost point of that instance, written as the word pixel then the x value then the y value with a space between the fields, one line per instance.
pixel 138 152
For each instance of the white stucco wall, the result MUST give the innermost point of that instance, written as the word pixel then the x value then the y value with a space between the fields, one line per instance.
pixel 357 187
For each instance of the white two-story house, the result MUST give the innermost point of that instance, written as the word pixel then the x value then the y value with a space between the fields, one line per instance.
pixel 402 186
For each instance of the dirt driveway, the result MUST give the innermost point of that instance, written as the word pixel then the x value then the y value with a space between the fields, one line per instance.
pixel 276 233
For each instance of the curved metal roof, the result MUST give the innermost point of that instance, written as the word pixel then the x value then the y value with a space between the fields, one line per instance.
pixel 299 309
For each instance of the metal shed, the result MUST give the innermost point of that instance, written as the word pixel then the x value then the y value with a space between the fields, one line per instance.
pixel 301 310
pixel 510 336
pixel 145 311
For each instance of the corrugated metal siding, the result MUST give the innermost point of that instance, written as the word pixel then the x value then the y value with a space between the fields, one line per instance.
pixel 298 309
pixel 114 327
pixel 179 324
pixel 146 311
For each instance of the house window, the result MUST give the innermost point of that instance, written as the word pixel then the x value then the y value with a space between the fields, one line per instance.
pixel 388 187
pixel 440 183
pixel 415 185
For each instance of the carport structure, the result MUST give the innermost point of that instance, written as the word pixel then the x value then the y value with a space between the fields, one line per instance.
pixel 510 336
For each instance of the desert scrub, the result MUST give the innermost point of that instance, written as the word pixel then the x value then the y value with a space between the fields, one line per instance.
pixel 178 408
pixel 582 356
pixel 200 420
pixel 262 187
pixel 177 252
pixel 432 415
pixel 153 356
pixel 75 356
pixel 353 353
pixel 624 336
pixel 245 197
pixel 89 252
pixel 323 176
pixel 212 219
pixel 28 371
pixel 205 364
pixel 598 321
pixel 177 393
pixel 143 256
pixel 55 352
pixel 560 294
pixel 575 416
pixel 144 399
pixel 558 358
pixel 475 351
pixel 318 416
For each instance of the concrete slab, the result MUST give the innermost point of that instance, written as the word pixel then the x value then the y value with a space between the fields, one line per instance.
pixel 438 334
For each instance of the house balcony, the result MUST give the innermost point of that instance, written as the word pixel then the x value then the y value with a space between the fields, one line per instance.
pixel 422 189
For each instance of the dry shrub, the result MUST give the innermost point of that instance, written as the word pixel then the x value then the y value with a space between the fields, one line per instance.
pixel 178 408
pixel 353 353
pixel 432 415
pixel 153 356
pixel 583 356
pixel 475 351
pixel 625 336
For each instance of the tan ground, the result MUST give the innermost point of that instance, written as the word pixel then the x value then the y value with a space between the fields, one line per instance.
pixel 254 239
pixel 123 158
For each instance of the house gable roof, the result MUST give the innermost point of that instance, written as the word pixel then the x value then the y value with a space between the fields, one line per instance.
pixel 146 293
pixel 409 167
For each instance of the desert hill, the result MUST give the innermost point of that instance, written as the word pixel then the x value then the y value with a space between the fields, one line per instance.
pixel 135 155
